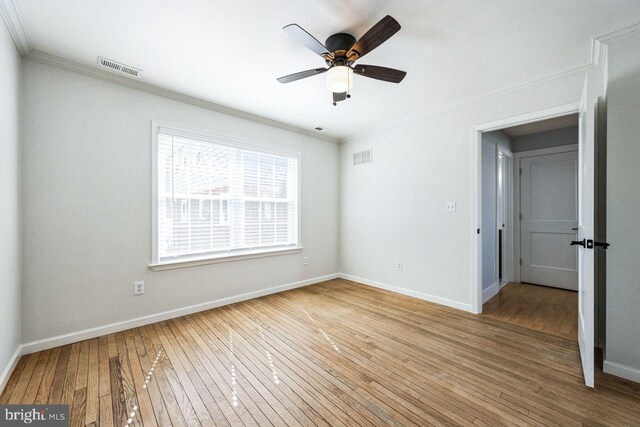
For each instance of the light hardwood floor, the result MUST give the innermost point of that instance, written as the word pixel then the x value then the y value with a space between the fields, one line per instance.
pixel 336 353
pixel 550 310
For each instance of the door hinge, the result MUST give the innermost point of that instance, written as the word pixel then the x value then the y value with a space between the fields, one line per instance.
pixel 520 171
pixel 520 217
pixel 520 261
pixel 478 232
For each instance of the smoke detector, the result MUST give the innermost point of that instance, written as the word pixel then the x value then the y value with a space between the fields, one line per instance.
pixel 118 67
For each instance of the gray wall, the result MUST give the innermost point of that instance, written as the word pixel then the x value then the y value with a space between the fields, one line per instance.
pixel 623 208
pixel 548 139
pixel 490 143
pixel 10 212
pixel 86 186
pixel 393 209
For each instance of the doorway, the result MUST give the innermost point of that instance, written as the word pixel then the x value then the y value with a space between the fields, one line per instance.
pixel 588 125
pixel 529 199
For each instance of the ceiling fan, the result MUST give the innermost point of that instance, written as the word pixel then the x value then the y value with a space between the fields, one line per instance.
pixel 341 51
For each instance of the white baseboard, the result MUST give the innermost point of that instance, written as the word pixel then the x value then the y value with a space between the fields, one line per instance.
pixel 8 370
pixel 59 340
pixel 490 292
pixel 622 371
pixel 408 292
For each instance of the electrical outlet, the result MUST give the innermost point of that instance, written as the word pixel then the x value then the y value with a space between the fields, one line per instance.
pixel 399 266
pixel 138 288
pixel 305 261
pixel 450 207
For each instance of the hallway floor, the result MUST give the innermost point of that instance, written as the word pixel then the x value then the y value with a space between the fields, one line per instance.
pixel 550 310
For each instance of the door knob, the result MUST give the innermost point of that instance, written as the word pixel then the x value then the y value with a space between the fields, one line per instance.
pixel 579 243
pixel 604 245
pixel 575 228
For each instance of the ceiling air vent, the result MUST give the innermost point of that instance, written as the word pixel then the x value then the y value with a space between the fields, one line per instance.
pixel 362 157
pixel 118 67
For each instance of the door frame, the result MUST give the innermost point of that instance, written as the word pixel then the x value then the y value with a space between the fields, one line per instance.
pixel 516 194
pixel 508 231
pixel 476 141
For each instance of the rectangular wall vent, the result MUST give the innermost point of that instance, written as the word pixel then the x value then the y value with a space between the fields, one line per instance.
pixel 362 157
pixel 118 67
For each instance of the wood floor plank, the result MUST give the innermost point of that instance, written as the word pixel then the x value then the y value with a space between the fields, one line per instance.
pixel 160 388
pixel 13 380
pixel 407 391
pixel 496 361
pixel 83 365
pixel 265 385
pixel 118 398
pixel 336 353
pixel 106 411
pixel 197 373
pixel 104 379
pixel 181 386
pixel 36 378
pixel 69 385
pixel 238 324
pixel 344 388
pixel 93 383
pixel 47 380
pixel 309 381
pixel 78 406
pixel 461 362
pixel 551 310
pixel 130 394
pixel 141 405
pixel 57 385
pixel 343 368
pixel 299 411
pixel 23 382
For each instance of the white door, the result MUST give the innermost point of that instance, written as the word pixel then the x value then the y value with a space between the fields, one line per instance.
pixel 549 222
pixel 586 226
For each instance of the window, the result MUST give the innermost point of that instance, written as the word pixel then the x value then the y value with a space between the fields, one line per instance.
pixel 216 198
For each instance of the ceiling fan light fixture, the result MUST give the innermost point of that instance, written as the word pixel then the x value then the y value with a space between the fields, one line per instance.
pixel 339 79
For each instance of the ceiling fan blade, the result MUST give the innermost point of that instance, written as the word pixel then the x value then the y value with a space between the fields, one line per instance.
pixel 380 73
pixel 301 75
pixel 339 96
pixel 298 33
pixel 373 38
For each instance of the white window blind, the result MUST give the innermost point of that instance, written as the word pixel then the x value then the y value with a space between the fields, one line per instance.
pixel 215 198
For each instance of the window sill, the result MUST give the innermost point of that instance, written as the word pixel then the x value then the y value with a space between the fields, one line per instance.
pixel 192 262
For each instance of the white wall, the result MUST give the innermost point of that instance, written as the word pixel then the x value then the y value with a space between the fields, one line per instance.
pixel 10 212
pixel 623 210
pixel 548 139
pixel 393 210
pixel 490 143
pixel 87 206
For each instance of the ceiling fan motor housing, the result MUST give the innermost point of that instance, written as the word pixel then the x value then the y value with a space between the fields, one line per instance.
pixel 340 43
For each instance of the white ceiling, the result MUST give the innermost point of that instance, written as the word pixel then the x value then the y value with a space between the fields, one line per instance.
pixel 542 126
pixel 231 52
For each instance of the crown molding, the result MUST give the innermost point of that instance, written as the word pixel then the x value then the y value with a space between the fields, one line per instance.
pixel 87 70
pixel 482 98
pixel 619 34
pixel 599 50
pixel 600 44
pixel 11 15
pixel 12 18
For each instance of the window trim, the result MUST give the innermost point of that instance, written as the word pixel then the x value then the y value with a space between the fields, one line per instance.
pixel 207 136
